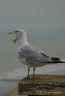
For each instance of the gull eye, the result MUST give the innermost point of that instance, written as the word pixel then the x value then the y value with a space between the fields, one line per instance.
pixel 16 31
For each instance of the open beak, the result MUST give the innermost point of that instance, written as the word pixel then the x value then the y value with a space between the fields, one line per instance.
pixel 10 33
pixel 13 41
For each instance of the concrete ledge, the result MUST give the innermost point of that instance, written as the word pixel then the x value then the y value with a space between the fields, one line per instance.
pixel 46 85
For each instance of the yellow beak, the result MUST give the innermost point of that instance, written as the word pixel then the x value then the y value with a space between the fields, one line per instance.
pixel 13 41
pixel 10 32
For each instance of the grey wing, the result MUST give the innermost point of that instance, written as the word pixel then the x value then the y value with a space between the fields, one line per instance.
pixel 32 55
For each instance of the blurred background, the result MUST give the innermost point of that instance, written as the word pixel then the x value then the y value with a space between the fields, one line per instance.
pixel 44 21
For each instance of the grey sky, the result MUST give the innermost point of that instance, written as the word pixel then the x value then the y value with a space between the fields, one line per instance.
pixel 45 14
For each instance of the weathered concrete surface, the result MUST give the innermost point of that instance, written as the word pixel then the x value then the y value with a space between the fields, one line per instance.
pixel 42 85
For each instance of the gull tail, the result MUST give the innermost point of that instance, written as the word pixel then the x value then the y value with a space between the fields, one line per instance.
pixel 57 60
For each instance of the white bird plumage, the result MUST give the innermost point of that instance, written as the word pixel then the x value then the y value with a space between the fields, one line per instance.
pixel 31 56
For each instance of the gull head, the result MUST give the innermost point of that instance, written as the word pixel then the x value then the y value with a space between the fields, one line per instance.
pixel 21 36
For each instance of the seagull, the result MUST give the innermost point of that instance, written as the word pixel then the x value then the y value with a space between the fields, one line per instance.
pixel 29 55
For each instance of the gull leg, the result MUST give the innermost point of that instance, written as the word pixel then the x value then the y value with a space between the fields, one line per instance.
pixel 33 72
pixel 28 72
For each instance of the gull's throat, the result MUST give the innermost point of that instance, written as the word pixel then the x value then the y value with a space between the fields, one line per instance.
pixel 23 41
